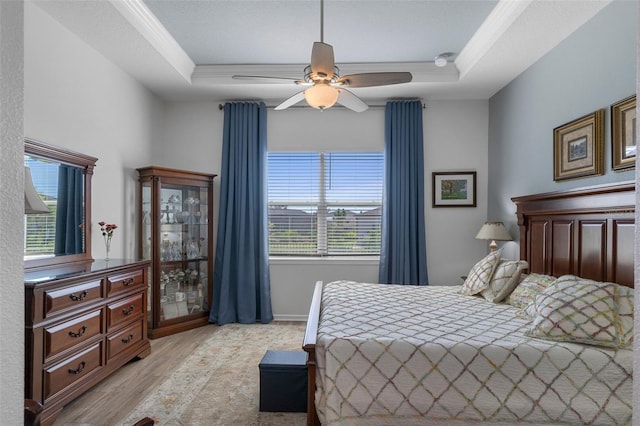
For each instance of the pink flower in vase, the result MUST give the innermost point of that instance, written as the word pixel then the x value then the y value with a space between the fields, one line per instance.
pixel 107 233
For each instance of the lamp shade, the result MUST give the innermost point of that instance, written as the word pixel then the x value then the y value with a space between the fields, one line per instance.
pixel 321 96
pixel 33 204
pixel 493 231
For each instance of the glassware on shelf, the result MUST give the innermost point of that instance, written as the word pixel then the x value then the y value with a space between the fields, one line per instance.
pixel 182 216
pixel 176 251
pixel 163 284
pixel 171 287
pixel 203 247
pixel 192 249
pixel 164 214
pixel 192 296
pixel 165 250
pixel 179 277
pixel 146 252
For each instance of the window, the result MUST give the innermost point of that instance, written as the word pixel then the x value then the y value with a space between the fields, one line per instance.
pixel 39 235
pixel 325 203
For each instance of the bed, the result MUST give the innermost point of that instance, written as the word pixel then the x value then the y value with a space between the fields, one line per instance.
pixel 430 355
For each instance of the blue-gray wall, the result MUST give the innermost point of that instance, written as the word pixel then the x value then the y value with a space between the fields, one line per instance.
pixel 591 69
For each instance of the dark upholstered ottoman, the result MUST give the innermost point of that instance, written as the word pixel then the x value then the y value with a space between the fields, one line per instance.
pixel 283 381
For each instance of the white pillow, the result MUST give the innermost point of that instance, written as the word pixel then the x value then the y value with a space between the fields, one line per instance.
pixel 574 309
pixel 624 297
pixel 481 273
pixel 505 278
pixel 530 286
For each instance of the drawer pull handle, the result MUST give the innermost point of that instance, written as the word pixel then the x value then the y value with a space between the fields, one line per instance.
pixel 78 370
pixel 79 333
pixel 75 298
pixel 129 310
pixel 128 282
pixel 128 339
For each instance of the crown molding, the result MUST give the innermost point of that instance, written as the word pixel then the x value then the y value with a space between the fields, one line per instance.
pixel 146 23
pixel 492 29
pixel 515 27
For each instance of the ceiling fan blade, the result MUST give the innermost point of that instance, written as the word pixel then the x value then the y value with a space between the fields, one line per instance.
pixel 322 61
pixel 375 79
pixel 268 79
pixel 351 101
pixel 291 101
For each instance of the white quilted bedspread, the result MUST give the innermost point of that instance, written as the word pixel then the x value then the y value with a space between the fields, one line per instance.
pixel 389 354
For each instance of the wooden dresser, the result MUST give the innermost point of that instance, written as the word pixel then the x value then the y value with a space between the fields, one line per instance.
pixel 82 323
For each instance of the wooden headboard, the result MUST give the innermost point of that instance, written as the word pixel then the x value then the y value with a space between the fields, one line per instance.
pixel 588 232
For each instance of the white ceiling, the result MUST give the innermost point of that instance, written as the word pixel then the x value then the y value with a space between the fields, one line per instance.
pixel 282 32
pixel 189 49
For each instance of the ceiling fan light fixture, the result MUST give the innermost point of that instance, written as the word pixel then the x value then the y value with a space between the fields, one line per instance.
pixel 321 96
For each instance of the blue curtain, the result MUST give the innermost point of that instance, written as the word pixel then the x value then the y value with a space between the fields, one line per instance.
pixel 241 287
pixel 403 254
pixel 69 211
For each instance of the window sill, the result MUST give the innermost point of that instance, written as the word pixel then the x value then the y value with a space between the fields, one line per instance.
pixel 326 260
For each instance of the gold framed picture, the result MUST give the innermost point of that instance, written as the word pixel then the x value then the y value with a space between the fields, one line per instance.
pixel 578 147
pixel 623 134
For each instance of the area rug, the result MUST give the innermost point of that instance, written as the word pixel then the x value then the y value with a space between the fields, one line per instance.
pixel 218 384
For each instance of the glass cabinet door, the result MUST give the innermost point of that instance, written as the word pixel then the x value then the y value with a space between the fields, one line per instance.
pixel 175 233
pixel 183 251
pixel 145 238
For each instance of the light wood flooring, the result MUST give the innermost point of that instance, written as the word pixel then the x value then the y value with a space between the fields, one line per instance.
pixel 112 399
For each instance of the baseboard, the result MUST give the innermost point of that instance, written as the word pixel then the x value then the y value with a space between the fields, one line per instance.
pixel 289 317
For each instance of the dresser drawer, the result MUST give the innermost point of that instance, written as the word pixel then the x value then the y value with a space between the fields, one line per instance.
pixel 70 333
pixel 124 310
pixel 72 297
pixel 123 282
pixel 124 339
pixel 65 374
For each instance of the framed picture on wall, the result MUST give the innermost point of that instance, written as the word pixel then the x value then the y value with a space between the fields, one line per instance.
pixel 623 134
pixel 454 189
pixel 578 147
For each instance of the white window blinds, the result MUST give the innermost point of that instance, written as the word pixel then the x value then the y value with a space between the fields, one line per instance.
pixel 39 235
pixel 325 203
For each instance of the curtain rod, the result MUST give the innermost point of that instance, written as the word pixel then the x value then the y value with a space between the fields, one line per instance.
pixel 221 106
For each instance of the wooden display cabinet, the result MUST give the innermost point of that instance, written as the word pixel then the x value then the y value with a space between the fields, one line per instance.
pixel 176 233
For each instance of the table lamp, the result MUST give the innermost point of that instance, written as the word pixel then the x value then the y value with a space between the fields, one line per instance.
pixel 493 231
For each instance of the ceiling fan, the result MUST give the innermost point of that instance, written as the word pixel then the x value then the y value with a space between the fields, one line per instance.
pixel 326 86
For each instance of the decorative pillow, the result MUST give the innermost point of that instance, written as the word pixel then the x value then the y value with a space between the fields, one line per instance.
pixel 578 310
pixel 528 312
pixel 624 298
pixel 528 289
pixel 505 278
pixel 481 273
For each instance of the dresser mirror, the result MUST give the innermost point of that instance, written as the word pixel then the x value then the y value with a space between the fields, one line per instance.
pixel 62 180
